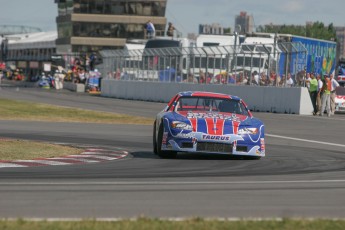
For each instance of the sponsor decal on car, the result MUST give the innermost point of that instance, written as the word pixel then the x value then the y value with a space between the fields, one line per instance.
pixel 213 115
pixel 262 143
pixel 164 138
pixel 185 135
pixel 215 137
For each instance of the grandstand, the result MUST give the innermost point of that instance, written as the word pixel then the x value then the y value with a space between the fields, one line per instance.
pixel 12 29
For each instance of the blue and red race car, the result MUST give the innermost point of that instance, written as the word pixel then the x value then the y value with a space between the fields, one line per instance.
pixel 205 122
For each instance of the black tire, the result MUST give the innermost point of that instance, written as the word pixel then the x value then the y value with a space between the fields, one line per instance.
pixel 252 157
pixel 154 139
pixel 163 153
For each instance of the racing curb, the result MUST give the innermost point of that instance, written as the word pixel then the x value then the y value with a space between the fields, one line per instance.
pixel 90 155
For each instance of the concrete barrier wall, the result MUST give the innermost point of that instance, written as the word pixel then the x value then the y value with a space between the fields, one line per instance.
pixel 263 99
pixel 75 87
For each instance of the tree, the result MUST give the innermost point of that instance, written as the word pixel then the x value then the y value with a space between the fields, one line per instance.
pixel 315 30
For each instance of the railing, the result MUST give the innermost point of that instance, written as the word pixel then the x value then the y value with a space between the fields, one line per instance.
pixel 250 64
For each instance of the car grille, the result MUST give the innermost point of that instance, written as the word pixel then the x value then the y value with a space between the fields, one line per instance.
pixel 187 145
pixel 213 147
pixel 241 148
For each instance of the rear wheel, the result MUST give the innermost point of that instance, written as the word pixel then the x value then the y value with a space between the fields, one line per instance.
pixel 167 154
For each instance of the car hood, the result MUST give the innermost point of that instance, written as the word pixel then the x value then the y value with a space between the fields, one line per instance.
pixel 216 123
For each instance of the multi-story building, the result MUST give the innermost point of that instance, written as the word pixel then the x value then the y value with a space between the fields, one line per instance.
pixel 211 29
pixel 92 25
pixel 244 23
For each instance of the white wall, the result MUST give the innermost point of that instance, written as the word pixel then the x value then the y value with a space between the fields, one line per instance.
pixel 263 99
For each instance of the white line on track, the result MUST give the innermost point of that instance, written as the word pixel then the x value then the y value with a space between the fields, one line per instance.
pixel 173 182
pixel 305 140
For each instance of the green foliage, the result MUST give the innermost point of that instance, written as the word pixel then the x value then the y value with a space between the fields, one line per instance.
pixel 227 30
pixel 316 30
pixel 17 110
pixel 191 224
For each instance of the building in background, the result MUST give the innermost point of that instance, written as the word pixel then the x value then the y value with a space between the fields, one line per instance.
pixel 27 49
pixel 244 23
pixel 92 25
pixel 214 28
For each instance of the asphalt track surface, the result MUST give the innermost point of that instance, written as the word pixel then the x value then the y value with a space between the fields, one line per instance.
pixel 303 174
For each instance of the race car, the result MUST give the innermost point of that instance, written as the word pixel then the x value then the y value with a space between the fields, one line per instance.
pixel 206 122
pixel 340 99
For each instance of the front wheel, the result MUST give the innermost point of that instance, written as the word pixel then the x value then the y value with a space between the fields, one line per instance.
pixel 166 154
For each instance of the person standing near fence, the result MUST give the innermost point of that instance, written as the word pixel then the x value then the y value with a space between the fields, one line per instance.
pixel 312 90
pixel 326 97
pixel 150 30
pixel 171 29
pixel 289 81
pixel 307 81
pixel 334 85
pixel 319 93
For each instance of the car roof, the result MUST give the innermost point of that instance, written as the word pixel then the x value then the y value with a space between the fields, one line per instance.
pixel 207 94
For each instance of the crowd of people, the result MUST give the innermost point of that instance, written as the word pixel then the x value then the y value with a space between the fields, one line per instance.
pixel 81 72
pixel 241 78
pixel 151 30
pixel 322 93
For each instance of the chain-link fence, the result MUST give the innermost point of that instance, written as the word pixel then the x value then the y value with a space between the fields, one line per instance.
pixel 246 64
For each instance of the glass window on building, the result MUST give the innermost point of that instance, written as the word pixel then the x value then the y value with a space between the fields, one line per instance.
pixel 64 30
pixel 116 7
pixel 84 6
pixel 65 8
pixel 111 30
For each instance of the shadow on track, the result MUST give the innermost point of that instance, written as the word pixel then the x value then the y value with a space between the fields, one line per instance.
pixel 193 156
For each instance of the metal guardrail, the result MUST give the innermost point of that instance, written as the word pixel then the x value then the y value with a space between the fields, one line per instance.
pixel 210 65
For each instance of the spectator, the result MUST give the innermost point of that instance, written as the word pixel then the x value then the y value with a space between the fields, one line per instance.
pixel 87 63
pixel 256 78
pixel 217 79
pixel 289 80
pixel 59 79
pixel 312 90
pixel 334 85
pixel 273 77
pixel 191 79
pixel 117 74
pixel 110 75
pixel 240 80
pixel 307 80
pixel 326 97
pixel 203 79
pixel 92 61
pixel 150 30
pixel 232 79
pixel 319 93
pixel 81 76
pixel 171 29
pixel 263 79
pixel 300 77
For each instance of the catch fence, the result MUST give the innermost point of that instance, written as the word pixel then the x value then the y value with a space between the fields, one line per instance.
pixel 251 64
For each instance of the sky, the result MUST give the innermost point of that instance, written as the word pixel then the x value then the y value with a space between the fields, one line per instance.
pixel 186 15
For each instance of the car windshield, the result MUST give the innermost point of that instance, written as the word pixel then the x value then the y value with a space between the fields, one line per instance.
pixel 207 104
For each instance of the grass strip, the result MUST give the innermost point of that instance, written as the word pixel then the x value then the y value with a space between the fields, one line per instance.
pixel 28 150
pixel 192 224
pixel 16 110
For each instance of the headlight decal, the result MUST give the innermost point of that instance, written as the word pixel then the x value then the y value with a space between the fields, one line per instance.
pixel 249 131
pixel 250 136
pixel 181 125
